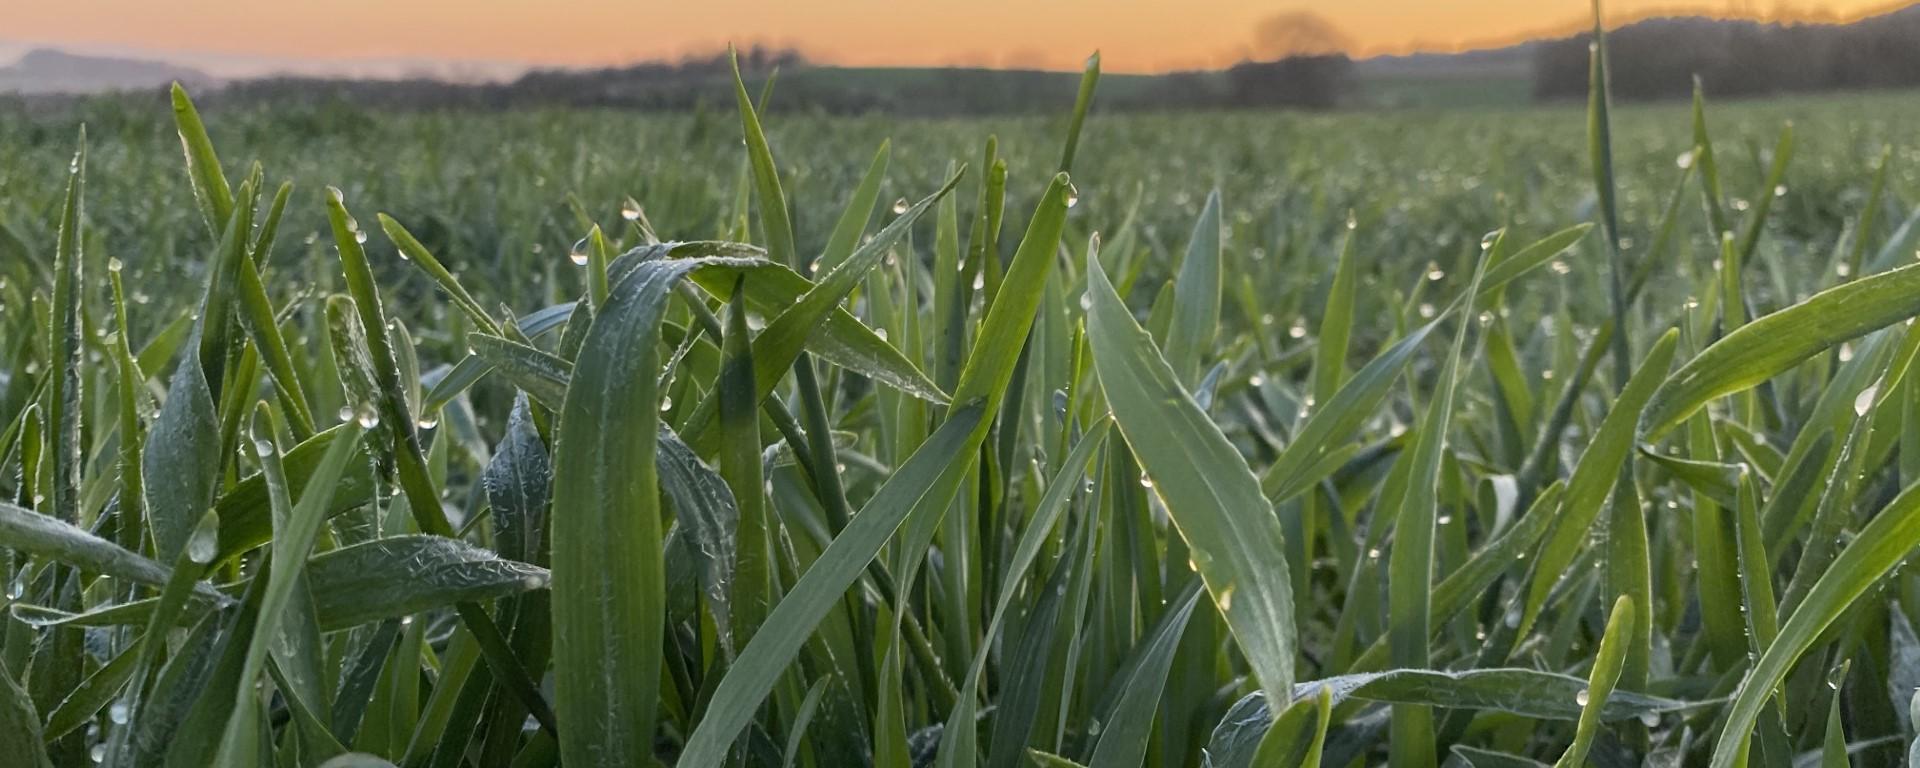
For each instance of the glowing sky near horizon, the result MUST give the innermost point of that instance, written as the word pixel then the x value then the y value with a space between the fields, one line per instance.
pixel 1133 35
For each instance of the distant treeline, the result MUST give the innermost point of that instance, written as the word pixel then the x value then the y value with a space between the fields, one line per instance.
pixel 1657 59
pixel 1311 82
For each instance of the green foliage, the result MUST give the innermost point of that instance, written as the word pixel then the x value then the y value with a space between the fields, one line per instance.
pixel 1290 461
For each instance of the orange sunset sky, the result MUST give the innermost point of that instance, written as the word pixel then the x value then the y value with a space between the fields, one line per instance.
pixel 1133 35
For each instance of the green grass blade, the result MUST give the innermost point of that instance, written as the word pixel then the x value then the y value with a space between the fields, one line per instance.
pixel 1089 80
pixel 20 732
pixel 958 748
pixel 1124 732
pixel 203 166
pixel 922 481
pixel 1606 671
pixel 296 526
pixel 1881 545
pixel 1775 343
pixel 402 575
pixel 1215 502
pixel 609 597
pixel 1594 478
pixel 740 465
pixel 1410 566
pixel 390 401
pixel 1196 295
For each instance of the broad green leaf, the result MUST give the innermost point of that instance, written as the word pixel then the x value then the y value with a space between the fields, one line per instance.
pixel 403 575
pixel 1211 496
pixel 609 601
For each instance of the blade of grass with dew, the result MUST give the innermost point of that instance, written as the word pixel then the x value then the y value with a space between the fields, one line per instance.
pixel 63 400
pixel 1211 497
pixel 1772 344
pixel 1410 566
pixel 295 528
pixel 926 482
pixel 1607 664
pixel 958 748
pixel 1594 477
pixel 608 605
pixel 390 404
pixel 210 187
pixel 1880 545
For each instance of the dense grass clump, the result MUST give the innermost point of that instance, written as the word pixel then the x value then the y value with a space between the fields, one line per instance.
pixel 1224 440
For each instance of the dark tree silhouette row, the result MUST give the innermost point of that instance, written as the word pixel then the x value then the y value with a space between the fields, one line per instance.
pixel 1309 81
pixel 1657 59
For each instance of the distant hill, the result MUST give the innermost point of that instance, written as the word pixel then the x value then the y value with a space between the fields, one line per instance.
pixel 45 71
pixel 1659 58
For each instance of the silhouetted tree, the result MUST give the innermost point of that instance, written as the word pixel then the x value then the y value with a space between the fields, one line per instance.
pixel 1315 82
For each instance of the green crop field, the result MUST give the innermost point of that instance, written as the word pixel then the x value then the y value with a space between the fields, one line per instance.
pixel 747 437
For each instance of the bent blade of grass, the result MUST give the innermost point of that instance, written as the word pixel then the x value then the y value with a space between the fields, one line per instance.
pixel 25 530
pixel 1777 342
pixel 1210 495
pixel 1338 419
pixel 782 344
pixel 1881 545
